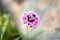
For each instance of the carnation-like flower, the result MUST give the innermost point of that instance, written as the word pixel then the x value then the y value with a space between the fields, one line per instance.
pixel 30 18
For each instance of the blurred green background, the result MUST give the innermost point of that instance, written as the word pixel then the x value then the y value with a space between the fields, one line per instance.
pixel 8 27
pixel 8 30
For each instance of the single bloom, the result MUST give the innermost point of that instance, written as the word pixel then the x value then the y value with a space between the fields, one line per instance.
pixel 30 18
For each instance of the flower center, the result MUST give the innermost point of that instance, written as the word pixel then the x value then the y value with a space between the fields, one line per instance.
pixel 30 19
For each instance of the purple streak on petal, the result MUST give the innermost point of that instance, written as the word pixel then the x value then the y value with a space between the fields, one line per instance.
pixel 25 22
pixel 37 19
pixel 24 17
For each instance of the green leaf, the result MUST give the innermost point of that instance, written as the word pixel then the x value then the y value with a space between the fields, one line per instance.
pixel 37 34
pixel 17 38
pixel 0 33
pixel 0 21
pixel 4 25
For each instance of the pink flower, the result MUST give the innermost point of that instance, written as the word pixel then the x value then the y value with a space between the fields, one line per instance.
pixel 30 18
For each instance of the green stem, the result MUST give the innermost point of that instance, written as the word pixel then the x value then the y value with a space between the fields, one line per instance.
pixel 27 31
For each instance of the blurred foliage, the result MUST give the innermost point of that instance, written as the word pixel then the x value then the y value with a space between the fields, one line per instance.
pixel 8 31
pixel 8 28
